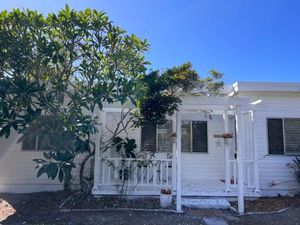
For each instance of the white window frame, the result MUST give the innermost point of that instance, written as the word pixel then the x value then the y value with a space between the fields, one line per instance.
pixel 191 137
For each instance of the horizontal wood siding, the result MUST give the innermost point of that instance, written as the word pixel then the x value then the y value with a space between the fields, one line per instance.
pixel 17 170
pixel 275 176
pixel 209 165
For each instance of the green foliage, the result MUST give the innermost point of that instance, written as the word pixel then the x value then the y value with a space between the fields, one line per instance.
pixel 56 164
pixel 63 65
pixel 79 55
pixel 161 92
pixel 64 135
pixel 297 168
pixel 125 147
pixel 67 64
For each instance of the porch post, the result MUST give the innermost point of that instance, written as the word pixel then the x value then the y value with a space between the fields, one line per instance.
pixel 255 163
pixel 178 162
pixel 174 154
pixel 240 151
pixel 97 155
pixel 227 149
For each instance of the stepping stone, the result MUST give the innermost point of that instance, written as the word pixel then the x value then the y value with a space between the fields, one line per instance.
pixel 211 203
pixel 214 221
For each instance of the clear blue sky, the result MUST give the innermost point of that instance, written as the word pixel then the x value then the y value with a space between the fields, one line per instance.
pixel 248 40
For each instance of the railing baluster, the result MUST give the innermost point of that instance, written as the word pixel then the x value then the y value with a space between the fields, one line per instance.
pixel 154 172
pixel 116 163
pixel 135 172
pixel 109 175
pixel 103 172
pixel 167 173
pixel 161 172
pixel 142 175
pixel 115 170
pixel 148 173
pixel 234 174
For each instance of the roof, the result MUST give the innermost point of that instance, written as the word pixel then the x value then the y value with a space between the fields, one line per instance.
pixel 244 86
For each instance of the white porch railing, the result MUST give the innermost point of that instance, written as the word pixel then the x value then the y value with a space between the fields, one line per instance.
pixel 248 173
pixel 139 172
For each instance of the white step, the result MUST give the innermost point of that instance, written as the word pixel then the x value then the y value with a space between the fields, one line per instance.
pixel 206 203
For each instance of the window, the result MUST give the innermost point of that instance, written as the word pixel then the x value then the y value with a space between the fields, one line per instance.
pixel 35 139
pixel 284 136
pixel 157 138
pixel 148 138
pixel 164 141
pixel 193 137
pixel 36 142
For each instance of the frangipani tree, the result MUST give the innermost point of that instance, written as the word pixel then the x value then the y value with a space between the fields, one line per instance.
pixel 64 65
pixel 55 70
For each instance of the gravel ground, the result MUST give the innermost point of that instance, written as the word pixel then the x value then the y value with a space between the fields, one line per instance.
pixel 42 209
pixel 289 217
pixel 269 204
pixel 90 202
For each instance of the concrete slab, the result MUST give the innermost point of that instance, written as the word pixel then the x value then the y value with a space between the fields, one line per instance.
pixel 214 221
pixel 203 203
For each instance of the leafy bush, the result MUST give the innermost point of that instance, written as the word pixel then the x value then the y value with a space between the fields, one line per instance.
pixel 297 168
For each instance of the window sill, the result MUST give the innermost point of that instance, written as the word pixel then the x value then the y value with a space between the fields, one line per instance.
pixel 194 153
pixel 277 155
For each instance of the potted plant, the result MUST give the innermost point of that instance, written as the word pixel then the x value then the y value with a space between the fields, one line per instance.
pixel 228 137
pixel 165 197
pixel 173 136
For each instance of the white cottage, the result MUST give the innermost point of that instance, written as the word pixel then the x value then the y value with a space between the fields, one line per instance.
pixel 204 160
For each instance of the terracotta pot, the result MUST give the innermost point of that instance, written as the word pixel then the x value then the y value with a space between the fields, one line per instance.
pixel 165 200
pixel 228 141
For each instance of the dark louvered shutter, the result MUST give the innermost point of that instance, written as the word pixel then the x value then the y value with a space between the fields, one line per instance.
pixel 275 136
pixel 292 136
pixel 148 138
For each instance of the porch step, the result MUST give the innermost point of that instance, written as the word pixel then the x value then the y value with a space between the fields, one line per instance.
pixel 206 203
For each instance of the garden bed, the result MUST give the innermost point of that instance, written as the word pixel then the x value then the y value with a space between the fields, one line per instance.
pixel 114 202
pixel 269 204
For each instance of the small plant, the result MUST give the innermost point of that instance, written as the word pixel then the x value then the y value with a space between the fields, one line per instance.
pixel 295 165
pixel 173 135
pixel 167 191
pixel 297 168
pixel 227 135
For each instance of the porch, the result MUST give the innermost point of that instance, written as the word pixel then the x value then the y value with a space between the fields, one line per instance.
pixel 147 178
pixel 238 173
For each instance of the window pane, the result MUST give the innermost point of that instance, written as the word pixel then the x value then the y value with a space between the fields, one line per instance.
pixel 292 136
pixel 199 136
pixel 44 142
pixel 29 142
pixel 185 136
pixel 275 136
pixel 148 138
pixel 164 141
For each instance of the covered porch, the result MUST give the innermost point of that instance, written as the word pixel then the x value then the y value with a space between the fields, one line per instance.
pixel 238 173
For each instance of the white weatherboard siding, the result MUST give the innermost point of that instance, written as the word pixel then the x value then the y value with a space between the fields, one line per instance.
pixel 18 173
pixel 211 165
pixel 275 176
pixel 17 170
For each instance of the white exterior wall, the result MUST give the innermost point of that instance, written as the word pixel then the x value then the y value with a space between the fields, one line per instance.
pixel 275 176
pixel 17 170
pixel 210 165
pixel 18 173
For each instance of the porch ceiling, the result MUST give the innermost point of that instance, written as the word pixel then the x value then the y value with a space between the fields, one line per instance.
pixel 215 104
